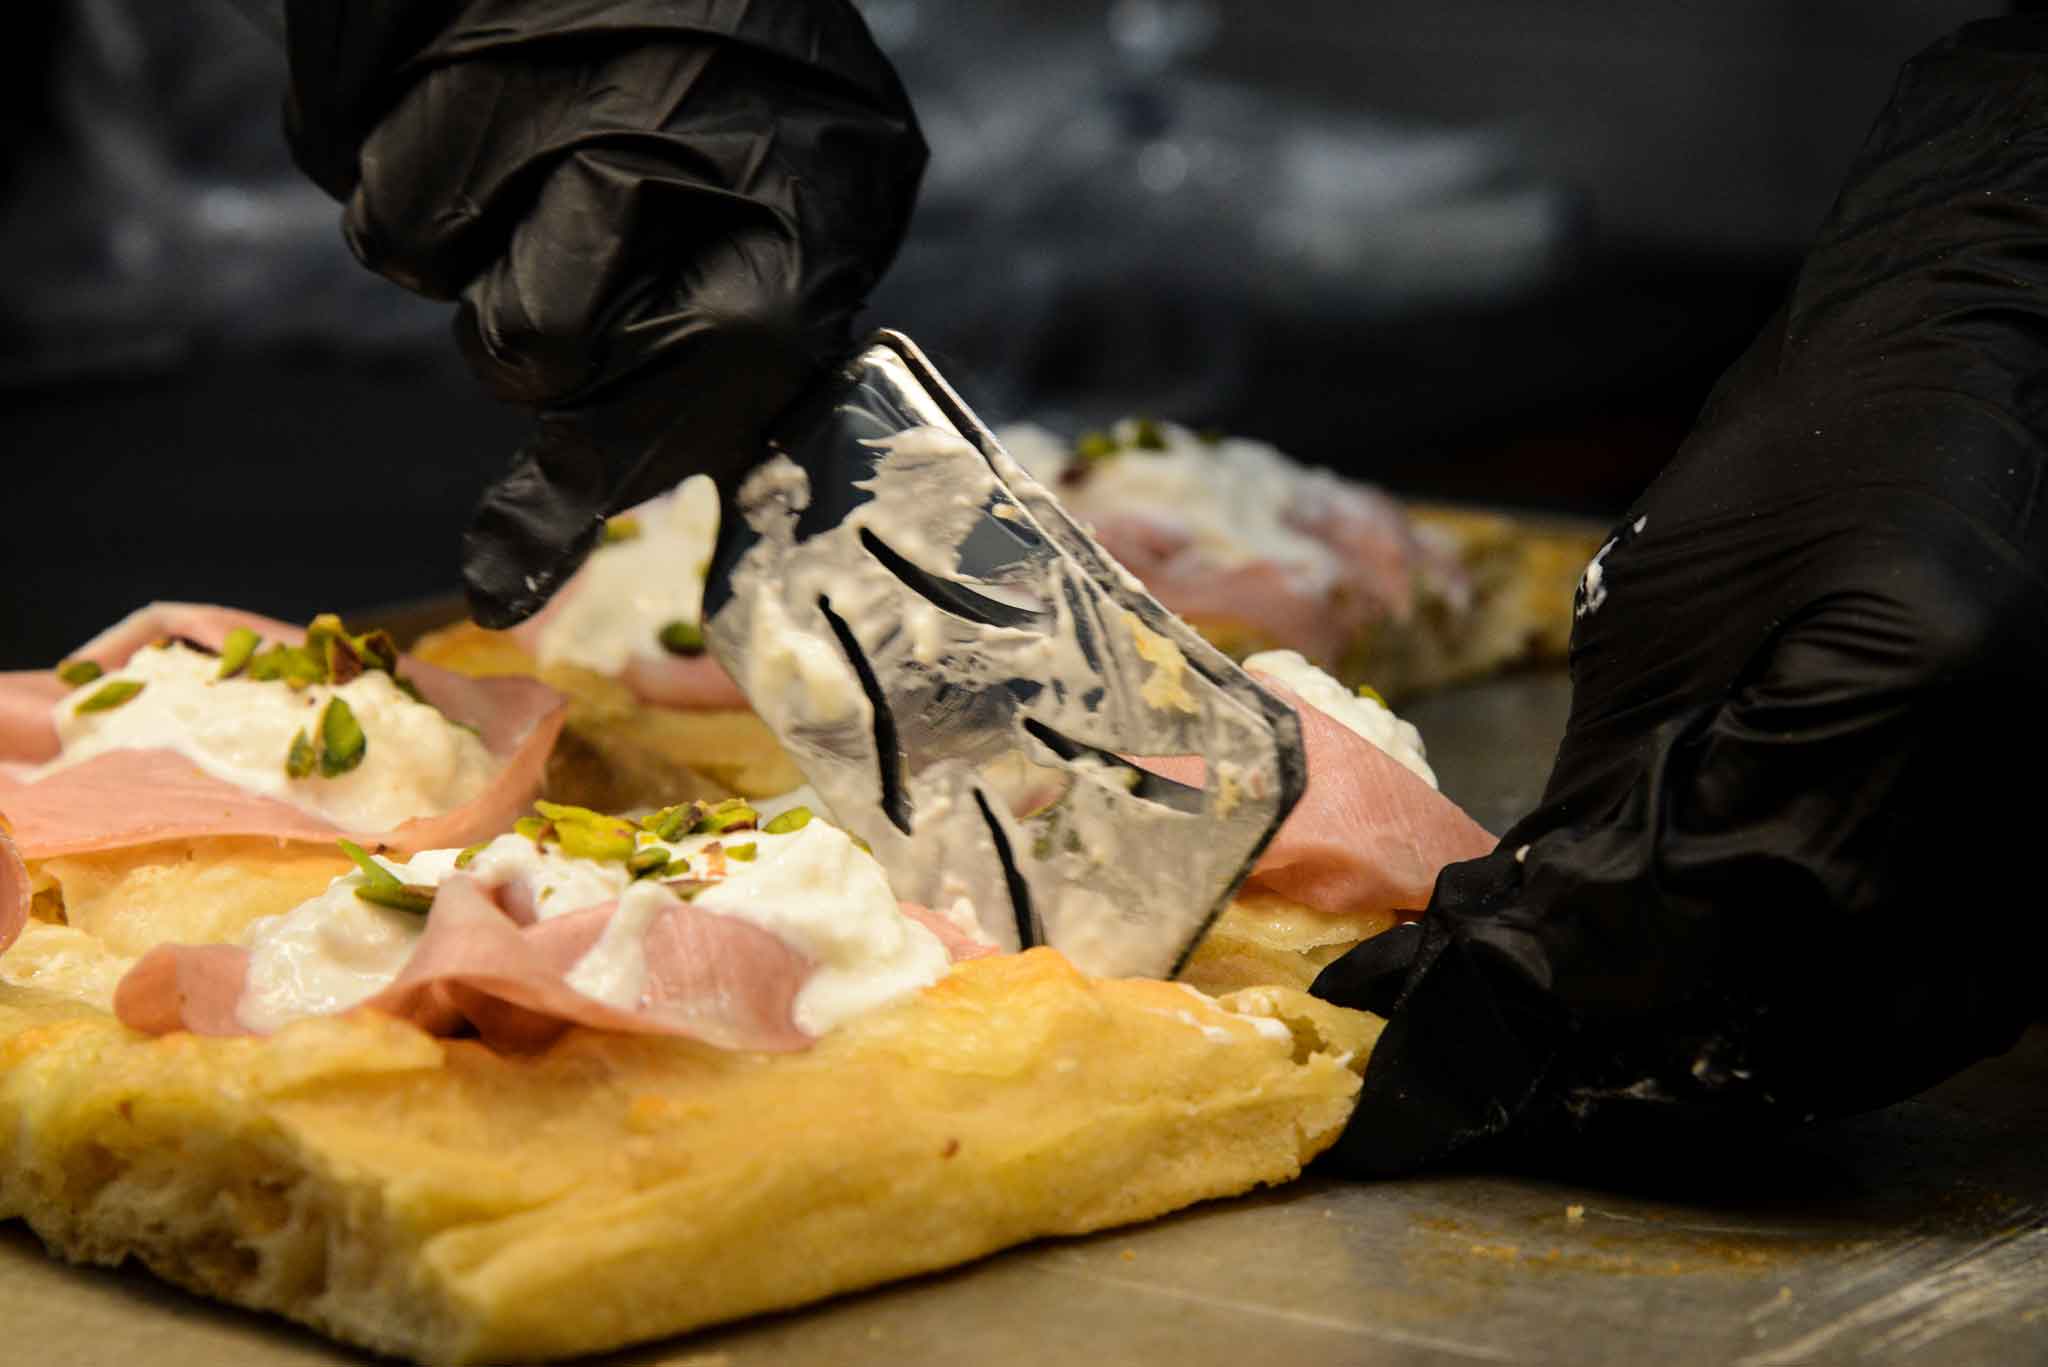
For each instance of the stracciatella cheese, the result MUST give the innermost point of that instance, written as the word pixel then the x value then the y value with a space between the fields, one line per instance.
pixel 812 888
pixel 240 730
pixel 1367 716
pixel 630 589
pixel 1235 501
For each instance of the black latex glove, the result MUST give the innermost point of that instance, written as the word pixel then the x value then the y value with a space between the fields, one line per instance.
pixel 1785 864
pixel 660 217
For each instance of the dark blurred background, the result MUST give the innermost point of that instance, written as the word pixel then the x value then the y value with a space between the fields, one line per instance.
pixel 1480 249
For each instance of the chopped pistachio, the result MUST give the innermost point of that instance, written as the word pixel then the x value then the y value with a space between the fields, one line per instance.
pixel 537 829
pixel 1092 447
pixel 687 888
pixel 682 638
pixel 236 652
pixel 610 839
pixel 733 814
pixel 342 662
pixel 295 665
pixel 382 887
pixel 669 822
pixel 1146 435
pixel 78 672
pixel 299 760
pixel 783 823
pixel 648 862
pixel 744 853
pixel 109 696
pixel 860 844
pixel 378 651
pixel 417 898
pixel 617 529
pixel 342 742
pixel 588 834
pixel 1368 691
pixel 468 856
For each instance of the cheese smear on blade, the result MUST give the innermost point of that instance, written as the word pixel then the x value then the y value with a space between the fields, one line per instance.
pixel 417 762
pixel 629 590
pixel 812 888
pixel 1367 717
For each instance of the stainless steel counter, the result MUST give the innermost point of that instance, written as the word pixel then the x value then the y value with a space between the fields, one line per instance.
pixel 1916 1235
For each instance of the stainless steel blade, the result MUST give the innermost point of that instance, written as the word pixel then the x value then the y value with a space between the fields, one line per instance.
pixel 966 678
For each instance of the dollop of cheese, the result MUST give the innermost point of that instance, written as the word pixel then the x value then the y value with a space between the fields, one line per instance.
pixel 812 888
pixel 630 589
pixel 1235 501
pixel 1368 717
pixel 417 763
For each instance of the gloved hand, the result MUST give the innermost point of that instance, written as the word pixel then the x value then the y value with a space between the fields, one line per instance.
pixel 1784 864
pixel 659 217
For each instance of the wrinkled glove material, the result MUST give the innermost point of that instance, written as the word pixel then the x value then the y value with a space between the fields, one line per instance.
pixel 658 217
pixel 1784 864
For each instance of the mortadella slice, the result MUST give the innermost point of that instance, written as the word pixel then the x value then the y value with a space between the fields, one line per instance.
pixel 138 797
pixel 713 978
pixel 1367 835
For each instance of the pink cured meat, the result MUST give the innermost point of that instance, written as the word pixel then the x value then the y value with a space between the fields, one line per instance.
pixel 139 797
pixel 709 977
pixel 1366 836
pixel 1365 531
pixel 684 682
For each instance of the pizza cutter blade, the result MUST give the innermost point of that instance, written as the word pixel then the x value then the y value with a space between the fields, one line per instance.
pixel 977 690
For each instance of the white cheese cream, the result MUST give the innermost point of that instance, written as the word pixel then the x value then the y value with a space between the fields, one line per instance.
pixel 1368 717
pixel 416 763
pixel 630 589
pixel 812 888
pixel 1236 501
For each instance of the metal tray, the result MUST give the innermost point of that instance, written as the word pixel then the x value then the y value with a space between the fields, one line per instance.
pixel 1914 1235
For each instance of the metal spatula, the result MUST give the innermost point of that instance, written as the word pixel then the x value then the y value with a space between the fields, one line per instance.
pixel 965 677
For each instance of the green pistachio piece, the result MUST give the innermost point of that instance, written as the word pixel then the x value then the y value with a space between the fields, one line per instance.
pixel 682 638
pixel 1094 447
pixel 860 844
pixel 649 862
pixel 342 742
pixel 378 651
pixel 670 822
pixel 416 898
pixel 687 888
pixel 1368 691
pixel 617 529
pixel 109 696
pixel 299 760
pixel 744 853
pixel 294 665
pixel 1147 435
pixel 733 814
pixel 78 672
pixel 468 856
pixel 340 659
pixel 236 652
pixel 611 839
pixel 537 829
pixel 784 823
pixel 382 887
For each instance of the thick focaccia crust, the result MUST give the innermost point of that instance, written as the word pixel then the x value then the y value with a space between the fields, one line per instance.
pixel 617 752
pixel 431 1199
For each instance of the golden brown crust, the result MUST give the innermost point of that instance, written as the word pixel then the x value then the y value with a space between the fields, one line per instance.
pixel 431 1199
pixel 1261 939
